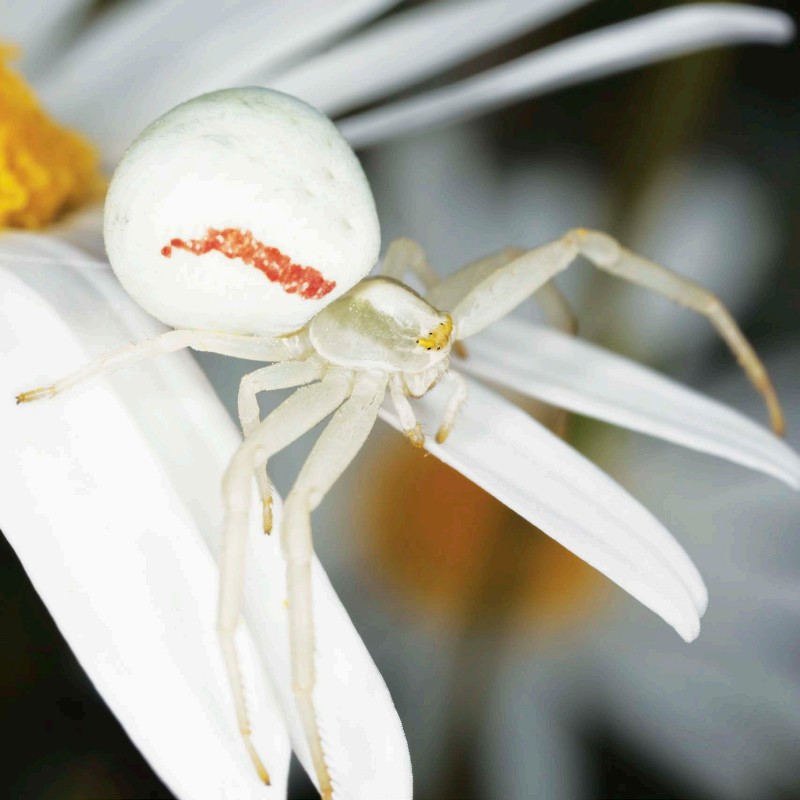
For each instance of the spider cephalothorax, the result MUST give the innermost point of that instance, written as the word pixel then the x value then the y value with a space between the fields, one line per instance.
pixel 245 219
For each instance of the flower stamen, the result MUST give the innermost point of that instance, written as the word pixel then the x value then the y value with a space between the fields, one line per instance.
pixel 45 169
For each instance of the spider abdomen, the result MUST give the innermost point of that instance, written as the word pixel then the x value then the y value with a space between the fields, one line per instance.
pixel 243 211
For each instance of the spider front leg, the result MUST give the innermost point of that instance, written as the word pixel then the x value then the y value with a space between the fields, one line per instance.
pixel 454 405
pixel 404 255
pixel 408 420
pixel 451 290
pixel 257 348
pixel 486 298
pixel 276 376
pixel 290 420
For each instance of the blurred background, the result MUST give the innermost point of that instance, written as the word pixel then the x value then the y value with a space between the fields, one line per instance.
pixel 518 671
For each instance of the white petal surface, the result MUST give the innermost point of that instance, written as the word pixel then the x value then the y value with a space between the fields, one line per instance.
pixel 439 35
pixel 115 556
pixel 40 28
pixel 651 38
pixel 141 59
pixel 582 377
pixel 180 441
pixel 543 479
pixel 83 229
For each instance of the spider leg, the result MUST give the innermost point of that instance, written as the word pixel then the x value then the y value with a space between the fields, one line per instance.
pixel 296 415
pixel 496 294
pixel 276 376
pixel 257 348
pixel 609 256
pixel 408 420
pixel 548 297
pixel 405 254
pixel 556 308
pixel 334 450
pixel 454 405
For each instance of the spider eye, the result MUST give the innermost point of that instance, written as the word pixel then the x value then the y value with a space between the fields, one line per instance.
pixel 438 337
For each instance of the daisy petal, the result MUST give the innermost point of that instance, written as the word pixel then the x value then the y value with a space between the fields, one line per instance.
pixel 582 377
pixel 124 574
pixel 41 29
pixel 439 35
pixel 627 45
pixel 156 49
pixel 142 560
pixel 536 474
pixel 362 737
pixel 83 229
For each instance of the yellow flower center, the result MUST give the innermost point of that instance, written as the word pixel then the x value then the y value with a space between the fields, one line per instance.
pixel 45 170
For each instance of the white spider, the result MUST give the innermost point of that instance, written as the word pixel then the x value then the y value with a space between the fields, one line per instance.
pixel 244 219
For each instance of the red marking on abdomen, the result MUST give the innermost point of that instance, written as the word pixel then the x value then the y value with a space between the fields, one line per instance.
pixel 278 268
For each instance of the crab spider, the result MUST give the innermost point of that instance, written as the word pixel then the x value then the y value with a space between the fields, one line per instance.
pixel 244 221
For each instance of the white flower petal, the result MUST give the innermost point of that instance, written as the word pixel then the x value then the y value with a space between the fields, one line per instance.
pixel 166 52
pixel 582 377
pixel 83 229
pixel 163 499
pixel 645 40
pixel 362 735
pixel 543 479
pixel 41 28
pixel 115 556
pixel 439 35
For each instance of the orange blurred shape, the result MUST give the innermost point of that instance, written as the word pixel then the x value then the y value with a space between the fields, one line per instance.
pixel 454 551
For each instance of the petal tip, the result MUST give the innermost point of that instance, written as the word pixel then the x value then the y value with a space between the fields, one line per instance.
pixel 689 630
pixel 701 601
pixel 784 27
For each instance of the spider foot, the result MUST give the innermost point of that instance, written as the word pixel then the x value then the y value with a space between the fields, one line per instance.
pixel 36 394
pixel 415 435
pixel 254 757
pixel 267 508
pixel 443 433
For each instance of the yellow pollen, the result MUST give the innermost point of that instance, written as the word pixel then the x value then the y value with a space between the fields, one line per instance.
pixel 45 170
pixel 439 336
